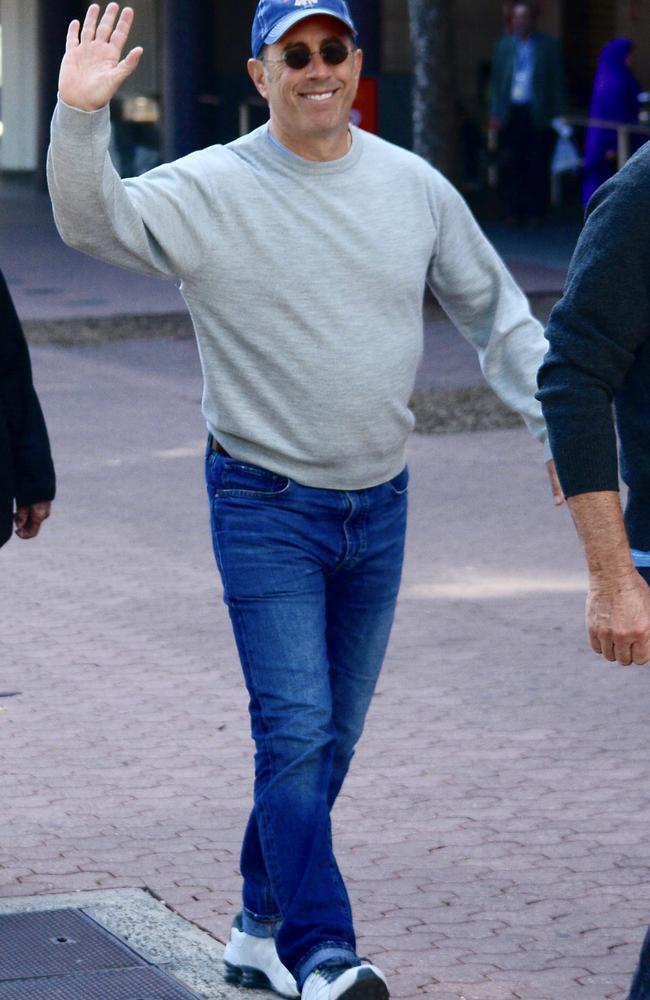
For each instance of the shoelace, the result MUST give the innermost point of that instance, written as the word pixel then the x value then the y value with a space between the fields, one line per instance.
pixel 331 972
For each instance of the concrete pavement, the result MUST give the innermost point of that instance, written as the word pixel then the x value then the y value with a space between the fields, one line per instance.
pixel 494 827
pixel 50 282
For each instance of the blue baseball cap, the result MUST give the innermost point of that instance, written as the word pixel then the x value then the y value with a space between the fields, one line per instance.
pixel 273 18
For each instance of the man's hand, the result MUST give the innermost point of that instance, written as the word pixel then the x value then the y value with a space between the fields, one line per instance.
pixel 618 619
pixel 93 70
pixel 618 603
pixel 28 520
pixel 556 489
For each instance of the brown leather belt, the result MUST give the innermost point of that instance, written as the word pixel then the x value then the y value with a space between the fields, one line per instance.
pixel 219 450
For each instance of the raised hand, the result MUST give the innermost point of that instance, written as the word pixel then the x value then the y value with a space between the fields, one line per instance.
pixel 92 70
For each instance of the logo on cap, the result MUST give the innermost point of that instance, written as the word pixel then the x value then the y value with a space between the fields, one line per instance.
pixel 305 3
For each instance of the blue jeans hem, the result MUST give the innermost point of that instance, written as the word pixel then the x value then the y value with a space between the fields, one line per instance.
pixel 260 927
pixel 327 951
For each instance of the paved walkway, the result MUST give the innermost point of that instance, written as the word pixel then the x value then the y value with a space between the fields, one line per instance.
pixel 49 281
pixel 494 827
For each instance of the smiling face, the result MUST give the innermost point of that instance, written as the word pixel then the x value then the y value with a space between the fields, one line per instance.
pixel 310 107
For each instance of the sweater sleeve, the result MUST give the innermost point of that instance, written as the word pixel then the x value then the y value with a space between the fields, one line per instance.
pixel 483 301
pixel 595 330
pixel 500 78
pixel 150 224
pixel 34 478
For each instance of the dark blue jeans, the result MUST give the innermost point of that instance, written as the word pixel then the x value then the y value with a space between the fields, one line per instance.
pixel 310 578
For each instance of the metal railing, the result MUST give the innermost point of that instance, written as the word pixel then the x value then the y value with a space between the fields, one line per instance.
pixel 623 133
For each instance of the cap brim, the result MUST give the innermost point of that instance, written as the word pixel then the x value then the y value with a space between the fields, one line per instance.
pixel 288 22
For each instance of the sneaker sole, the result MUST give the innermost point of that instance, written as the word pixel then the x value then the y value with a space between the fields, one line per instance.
pixel 250 978
pixel 367 986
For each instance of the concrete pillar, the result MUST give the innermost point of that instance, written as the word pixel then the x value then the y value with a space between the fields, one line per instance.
pixel 367 17
pixel 20 90
pixel 53 21
pixel 188 58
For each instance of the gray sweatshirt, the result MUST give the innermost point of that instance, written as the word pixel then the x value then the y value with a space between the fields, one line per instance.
pixel 305 283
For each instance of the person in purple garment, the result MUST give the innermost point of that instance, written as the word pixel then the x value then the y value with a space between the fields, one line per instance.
pixel 615 97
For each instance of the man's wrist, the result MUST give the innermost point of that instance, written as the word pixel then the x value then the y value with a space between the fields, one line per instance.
pixel 83 111
pixel 599 520
pixel 613 578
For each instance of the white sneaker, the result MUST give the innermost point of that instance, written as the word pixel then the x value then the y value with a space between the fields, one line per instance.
pixel 253 961
pixel 342 982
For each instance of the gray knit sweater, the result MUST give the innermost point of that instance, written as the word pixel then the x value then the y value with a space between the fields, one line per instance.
pixel 305 283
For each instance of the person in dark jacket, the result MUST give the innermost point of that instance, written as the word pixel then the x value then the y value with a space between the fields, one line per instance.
pixel 599 354
pixel 615 98
pixel 27 483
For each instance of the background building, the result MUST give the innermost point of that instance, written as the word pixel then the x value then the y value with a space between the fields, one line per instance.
pixel 192 89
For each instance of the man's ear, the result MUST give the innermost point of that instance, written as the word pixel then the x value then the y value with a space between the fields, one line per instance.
pixel 257 73
pixel 358 63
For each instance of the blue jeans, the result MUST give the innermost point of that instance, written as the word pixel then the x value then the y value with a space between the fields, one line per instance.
pixel 310 578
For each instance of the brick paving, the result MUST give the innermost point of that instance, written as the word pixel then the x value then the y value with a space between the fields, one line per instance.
pixel 493 830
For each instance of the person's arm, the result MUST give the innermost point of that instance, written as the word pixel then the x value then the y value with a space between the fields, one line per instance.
pixel 33 471
pixel 497 85
pixel 153 224
pixel 618 603
pixel 596 330
pixel 595 333
pixel 34 478
pixel 476 290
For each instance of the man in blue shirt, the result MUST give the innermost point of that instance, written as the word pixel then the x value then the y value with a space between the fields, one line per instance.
pixel 527 93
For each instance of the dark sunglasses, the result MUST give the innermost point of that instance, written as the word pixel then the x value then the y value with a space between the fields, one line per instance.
pixel 332 53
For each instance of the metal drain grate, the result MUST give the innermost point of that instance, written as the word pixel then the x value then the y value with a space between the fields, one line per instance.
pixel 122 984
pixel 58 942
pixel 66 955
